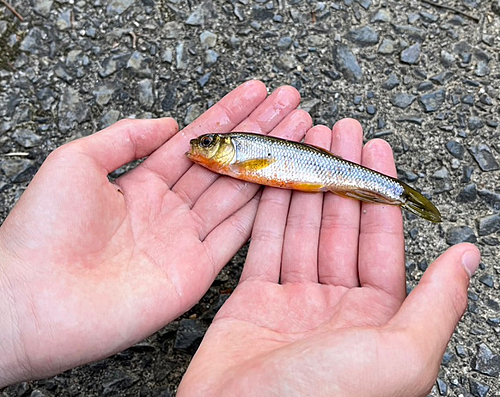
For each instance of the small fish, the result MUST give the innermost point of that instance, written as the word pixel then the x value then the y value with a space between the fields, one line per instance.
pixel 291 165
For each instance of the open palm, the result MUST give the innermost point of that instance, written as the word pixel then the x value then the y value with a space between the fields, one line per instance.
pixel 93 266
pixel 320 309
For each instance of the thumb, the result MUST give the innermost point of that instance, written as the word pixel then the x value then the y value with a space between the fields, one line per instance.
pixel 433 309
pixel 126 141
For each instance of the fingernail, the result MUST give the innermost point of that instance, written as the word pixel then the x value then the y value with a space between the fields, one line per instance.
pixel 470 260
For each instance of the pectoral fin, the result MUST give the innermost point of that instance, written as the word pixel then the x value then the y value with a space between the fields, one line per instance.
pixel 252 165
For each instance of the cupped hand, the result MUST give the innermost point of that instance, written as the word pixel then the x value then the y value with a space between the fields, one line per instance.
pixel 321 308
pixel 88 267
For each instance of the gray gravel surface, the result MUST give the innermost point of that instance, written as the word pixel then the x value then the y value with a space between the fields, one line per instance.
pixel 422 77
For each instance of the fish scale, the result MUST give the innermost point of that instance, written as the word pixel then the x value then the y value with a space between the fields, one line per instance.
pixel 286 164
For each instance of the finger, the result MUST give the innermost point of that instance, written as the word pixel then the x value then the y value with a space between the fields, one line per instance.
pixel 125 141
pixel 300 247
pixel 338 249
pixel 381 239
pixel 227 195
pixel 231 234
pixel 170 162
pixel 262 120
pixel 433 309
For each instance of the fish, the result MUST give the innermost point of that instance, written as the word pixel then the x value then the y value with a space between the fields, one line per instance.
pixel 285 164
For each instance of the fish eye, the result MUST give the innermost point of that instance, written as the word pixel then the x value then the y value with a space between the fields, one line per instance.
pixel 206 141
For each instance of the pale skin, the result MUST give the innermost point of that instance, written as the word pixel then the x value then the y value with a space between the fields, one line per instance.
pixel 89 267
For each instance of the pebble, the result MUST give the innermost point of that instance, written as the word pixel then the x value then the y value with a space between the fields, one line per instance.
pixel 310 105
pixel 145 93
pixel 442 78
pixel 428 17
pixel 203 80
pixel 387 47
pixel 460 234
pixel 364 36
pixel 170 99
pixel 484 157
pixel 391 83
pixel 71 110
pixel 442 387
pixel 441 173
pixel 410 55
pixel 104 94
pixel 211 57
pixel 486 361
pixel 18 170
pixel 189 334
pixel 467 194
pixel 192 113
pixel 35 42
pixel 110 118
pixel 382 15
pixel 112 64
pixel 447 58
pixel 402 99
pixel 118 7
pixel 201 14
pixel 64 20
pixel 488 225
pixel 467 171
pixel 478 389
pixel 208 39
pixel 492 199
pixel 26 138
pixel 346 63
pixel 432 101
pixel 285 62
pixel 284 43
pixel 487 279
pixel 43 7
pixel 115 381
pixel 461 351
pixel 456 149
pixel 181 57
pixel 411 31
pixel 475 123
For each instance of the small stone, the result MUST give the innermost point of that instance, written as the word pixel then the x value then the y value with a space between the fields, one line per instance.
pixel 371 109
pixel 491 199
pixel 487 279
pixel 145 93
pixel 115 381
pixel 201 13
pixel 118 7
pixel 192 113
pixel 486 100
pixel 211 57
pixel 363 36
pixel 475 123
pixel 413 17
pixel 428 17
pixel 460 234
pixel 208 39
pixel 285 62
pixel 387 47
pixel 391 83
pixel 461 351
pixel 488 224
pixel 181 57
pixel 456 149
pixel 402 100
pixel 467 194
pixel 64 20
pixel 346 63
pixel 364 3
pixel 167 55
pixel 411 31
pixel 441 173
pixel 203 80
pixel 425 86
pixel 410 55
pixel 482 69
pixel 104 94
pixel 284 43
pixel 485 361
pixel 71 110
pixel 18 170
pixel 26 138
pixel 382 15
pixel 43 7
pixel 189 334
pixel 35 42
pixel 310 104
pixel 447 59
pixel 467 171
pixel 432 101
pixel 112 64
pixel 170 99
pixel 484 157
pixel 478 389
pixel 110 118
pixel 442 387
pixel 442 78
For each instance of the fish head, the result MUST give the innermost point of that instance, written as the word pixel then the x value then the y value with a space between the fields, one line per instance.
pixel 213 151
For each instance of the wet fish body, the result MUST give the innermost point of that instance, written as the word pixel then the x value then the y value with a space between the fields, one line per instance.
pixel 291 165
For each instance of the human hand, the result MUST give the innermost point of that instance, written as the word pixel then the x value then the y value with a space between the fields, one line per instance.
pixel 320 309
pixel 88 267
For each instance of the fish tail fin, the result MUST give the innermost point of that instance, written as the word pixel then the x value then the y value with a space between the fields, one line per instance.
pixel 417 204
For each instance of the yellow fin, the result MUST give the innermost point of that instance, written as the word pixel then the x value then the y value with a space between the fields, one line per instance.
pixel 366 196
pixel 307 187
pixel 254 164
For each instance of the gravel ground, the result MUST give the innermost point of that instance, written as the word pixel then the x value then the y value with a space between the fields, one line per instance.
pixel 423 77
